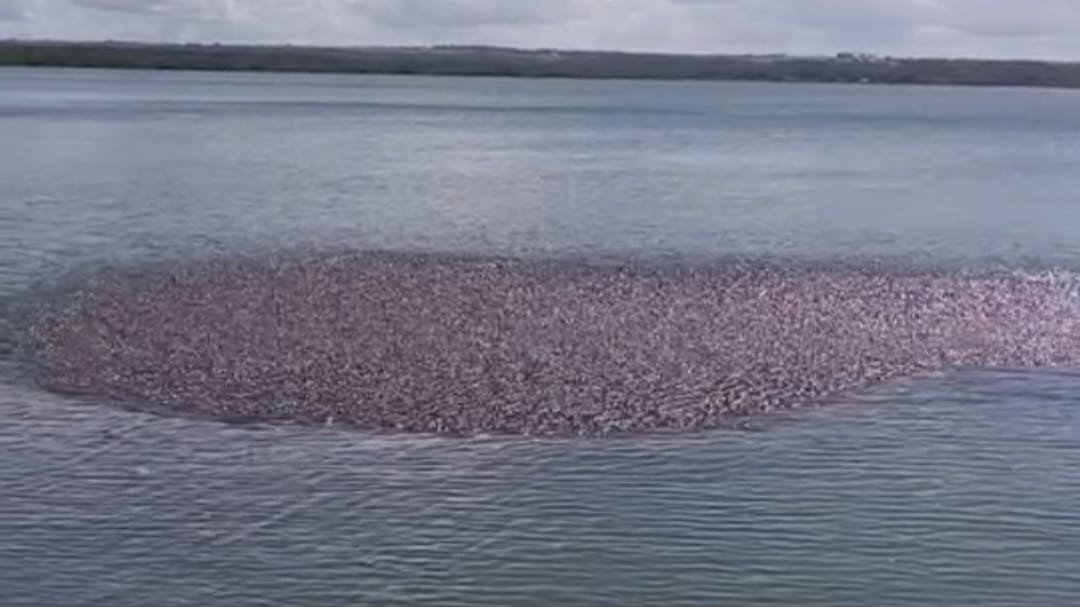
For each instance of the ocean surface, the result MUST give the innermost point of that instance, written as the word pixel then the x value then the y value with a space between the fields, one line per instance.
pixel 955 489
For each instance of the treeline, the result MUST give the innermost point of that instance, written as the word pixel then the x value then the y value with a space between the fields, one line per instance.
pixel 493 61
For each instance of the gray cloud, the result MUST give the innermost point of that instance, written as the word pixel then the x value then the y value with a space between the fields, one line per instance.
pixel 469 13
pixel 12 10
pixel 1012 19
pixel 1003 28
pixel 126 6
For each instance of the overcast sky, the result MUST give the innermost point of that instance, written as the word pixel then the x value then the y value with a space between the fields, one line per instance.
pixel 994 28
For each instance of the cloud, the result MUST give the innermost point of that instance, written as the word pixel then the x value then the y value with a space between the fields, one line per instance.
pixel 1012 19
pixel 12 10
pixel 128 6
pixel 469 13
pixel 1000 28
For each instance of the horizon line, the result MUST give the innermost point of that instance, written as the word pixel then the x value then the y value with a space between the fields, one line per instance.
pixel 538 49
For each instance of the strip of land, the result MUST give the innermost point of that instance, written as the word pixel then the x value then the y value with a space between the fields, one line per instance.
pixel 544 63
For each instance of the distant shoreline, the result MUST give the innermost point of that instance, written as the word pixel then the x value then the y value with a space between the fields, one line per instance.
pixel 508 62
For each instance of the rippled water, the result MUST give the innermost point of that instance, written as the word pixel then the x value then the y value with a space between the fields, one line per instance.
pixel 953 489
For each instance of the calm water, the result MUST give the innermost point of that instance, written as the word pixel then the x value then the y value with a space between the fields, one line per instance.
pixel 954 489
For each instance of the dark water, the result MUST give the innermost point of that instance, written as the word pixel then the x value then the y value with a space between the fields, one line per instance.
pixel 954 489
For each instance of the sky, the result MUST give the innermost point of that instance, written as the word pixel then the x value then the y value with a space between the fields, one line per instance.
pixel 1047 29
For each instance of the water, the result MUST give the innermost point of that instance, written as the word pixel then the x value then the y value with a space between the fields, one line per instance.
pixel 953 489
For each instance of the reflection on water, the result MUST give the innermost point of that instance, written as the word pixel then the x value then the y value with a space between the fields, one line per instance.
pixel 955 489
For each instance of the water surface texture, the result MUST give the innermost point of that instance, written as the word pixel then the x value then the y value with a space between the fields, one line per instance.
pixel 958 488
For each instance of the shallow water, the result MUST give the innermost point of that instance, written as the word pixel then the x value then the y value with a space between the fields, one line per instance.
pixel 953 489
